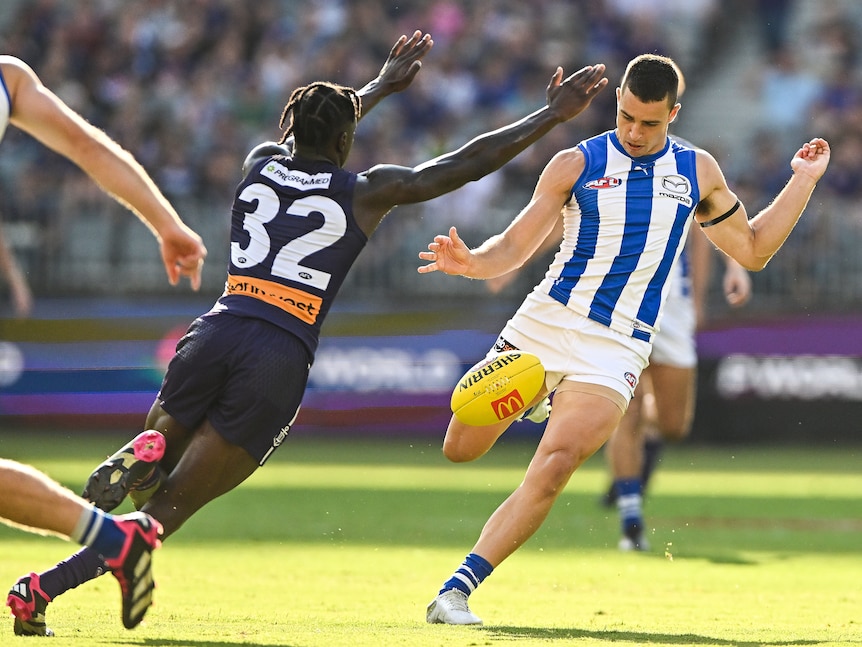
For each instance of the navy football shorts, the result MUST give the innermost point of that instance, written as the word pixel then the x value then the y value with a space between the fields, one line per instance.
pixel 246 376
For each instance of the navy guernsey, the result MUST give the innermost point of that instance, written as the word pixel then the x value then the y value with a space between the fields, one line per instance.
pixel 293 240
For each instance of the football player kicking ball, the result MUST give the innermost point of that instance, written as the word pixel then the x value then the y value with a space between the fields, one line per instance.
pixel 299 220
pixel 34 502
pixel 627 198
pixel 662 407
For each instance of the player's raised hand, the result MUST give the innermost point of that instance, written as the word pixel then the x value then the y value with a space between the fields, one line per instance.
pixel 399 70
pixel 447 254
pixel 405 60
pixel 812 159
pixel 568 98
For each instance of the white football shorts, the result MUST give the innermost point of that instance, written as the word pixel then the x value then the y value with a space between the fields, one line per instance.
pixel 575 348
pixel 674 343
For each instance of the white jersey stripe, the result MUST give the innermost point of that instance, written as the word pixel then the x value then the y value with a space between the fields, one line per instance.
pixel 621 280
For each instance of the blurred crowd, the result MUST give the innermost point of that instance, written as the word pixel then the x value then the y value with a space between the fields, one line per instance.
pixel 190 85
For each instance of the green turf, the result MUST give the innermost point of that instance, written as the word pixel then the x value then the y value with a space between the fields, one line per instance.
pixel 344 542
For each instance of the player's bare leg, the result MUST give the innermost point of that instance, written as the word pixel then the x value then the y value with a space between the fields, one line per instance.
pixel 674 390
pixel 624 450
pixel 33 501
pixel 465 443
pixel 579 425
pixel 208 468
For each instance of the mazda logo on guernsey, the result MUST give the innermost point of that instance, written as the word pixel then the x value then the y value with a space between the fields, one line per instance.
pixel 676 184
pixel 510 403
pixel 603 183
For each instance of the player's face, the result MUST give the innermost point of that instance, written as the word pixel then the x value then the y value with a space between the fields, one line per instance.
pixel 642 127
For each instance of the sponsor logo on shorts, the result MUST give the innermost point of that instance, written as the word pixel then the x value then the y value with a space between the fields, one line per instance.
pixel 300 304
pixel 281 436
pixel 508 405
pixel 284 176
pixel 603 183
pixel 501 345
pixel 631 379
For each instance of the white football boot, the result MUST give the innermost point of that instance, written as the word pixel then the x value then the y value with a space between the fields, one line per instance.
pixel 450 608
pixel 539 413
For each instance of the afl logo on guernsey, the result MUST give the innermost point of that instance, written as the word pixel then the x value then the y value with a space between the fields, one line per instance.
pixel 603 183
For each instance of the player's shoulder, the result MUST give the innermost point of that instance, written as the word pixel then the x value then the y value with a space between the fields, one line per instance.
pixel 14 66
pixel 262 151
pixel 572 155
pixel 681 143
pixel 567 161
pixel 14 71
pixel 7 60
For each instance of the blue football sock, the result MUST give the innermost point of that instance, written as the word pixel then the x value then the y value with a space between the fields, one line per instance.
pixel 98 530
pixel 629 503
pixel 469 575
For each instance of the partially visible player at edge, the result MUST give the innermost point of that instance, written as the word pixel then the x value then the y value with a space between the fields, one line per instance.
pixel 627 198
pixel 299 220
pixel 31 500
pixel 27 104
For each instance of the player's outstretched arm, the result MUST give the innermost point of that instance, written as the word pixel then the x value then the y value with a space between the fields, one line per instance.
pixel 387 185
pixel 754 242
pixel 397 73
pixel 536 225
pixel 39 112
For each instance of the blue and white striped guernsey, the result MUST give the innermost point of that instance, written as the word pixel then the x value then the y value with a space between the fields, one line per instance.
pixel 5 105
pixel 625 225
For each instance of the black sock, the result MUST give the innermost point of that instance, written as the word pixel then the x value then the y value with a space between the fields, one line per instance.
pixel 81 567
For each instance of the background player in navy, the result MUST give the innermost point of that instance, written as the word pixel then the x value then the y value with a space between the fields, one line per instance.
pixel 627 198
pixel 233 389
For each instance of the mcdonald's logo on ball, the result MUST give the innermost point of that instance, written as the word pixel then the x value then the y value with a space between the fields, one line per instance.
pixel 498 388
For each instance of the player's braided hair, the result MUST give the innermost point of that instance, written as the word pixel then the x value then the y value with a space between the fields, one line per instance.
pixel 651 77
pixel 316 110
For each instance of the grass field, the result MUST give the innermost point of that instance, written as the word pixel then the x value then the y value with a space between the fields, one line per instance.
pixel 343 543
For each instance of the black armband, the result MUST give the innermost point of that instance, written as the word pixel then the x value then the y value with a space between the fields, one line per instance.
pixel 724 216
